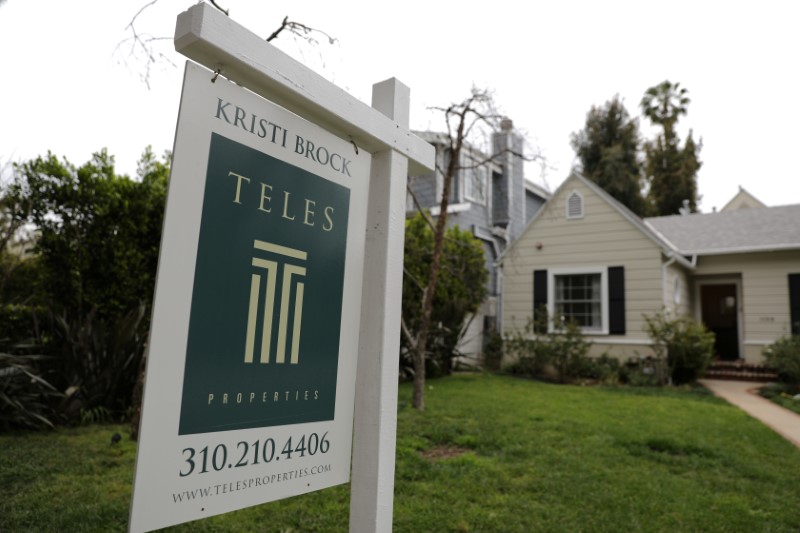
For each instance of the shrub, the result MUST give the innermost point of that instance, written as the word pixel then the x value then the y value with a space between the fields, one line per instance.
pixel 784 394
pixel 98 362
pixel 605 369
pixel 561 349
pixel 568 351
pixel 93 258
pixel 521 346
pixel 26 399
pixel 644 372
pixel 784 356
pixel 686 345
pixel 20 328
pixel 493 351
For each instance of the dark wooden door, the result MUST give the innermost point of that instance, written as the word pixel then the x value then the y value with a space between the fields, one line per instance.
pixel 720 315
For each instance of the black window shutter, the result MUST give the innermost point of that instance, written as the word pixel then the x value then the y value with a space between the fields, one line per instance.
pixel 794 303
pixel 616 300
pixel 540 301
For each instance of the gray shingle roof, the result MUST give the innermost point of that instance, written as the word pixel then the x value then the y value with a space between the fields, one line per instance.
pixel 740 230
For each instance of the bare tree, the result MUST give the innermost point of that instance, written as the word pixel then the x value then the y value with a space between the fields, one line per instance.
pixel 141 47
pixel 466 120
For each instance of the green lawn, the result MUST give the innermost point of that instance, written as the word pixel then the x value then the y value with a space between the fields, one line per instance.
pixel 783 395
pixel 516 456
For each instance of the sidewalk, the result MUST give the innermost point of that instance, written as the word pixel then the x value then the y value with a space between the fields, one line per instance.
pixel 784 422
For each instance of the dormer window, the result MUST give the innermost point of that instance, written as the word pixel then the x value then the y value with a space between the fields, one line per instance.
pixel 575 205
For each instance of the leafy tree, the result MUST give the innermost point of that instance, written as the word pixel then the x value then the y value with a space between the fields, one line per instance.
pixel 671 170
pixel 460 290
pixel 608 149
pixel 97 233
pixel 97 236
pixel 13 238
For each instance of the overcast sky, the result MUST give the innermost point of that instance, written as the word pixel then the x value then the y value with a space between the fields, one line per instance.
pixel 67 86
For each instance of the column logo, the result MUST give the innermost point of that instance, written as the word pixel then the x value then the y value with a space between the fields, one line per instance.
pixel 284 262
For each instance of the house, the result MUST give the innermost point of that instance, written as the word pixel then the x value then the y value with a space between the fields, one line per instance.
pixel 587 257
pixel 743 200
pixel 493 200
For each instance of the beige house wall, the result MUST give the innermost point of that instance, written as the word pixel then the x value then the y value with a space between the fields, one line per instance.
pixel 763 292
pixel 605 237
pixel 602 238
pixel 678 290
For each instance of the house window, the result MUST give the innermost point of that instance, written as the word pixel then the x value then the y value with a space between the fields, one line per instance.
pixel 579 298
pixel 594 297
pixel 575 205
pixel 475 182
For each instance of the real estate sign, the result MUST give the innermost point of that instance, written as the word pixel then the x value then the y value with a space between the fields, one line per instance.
pixel 251 366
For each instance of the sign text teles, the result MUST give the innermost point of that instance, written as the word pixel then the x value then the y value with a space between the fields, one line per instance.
pixel 289 208
pixel 238 117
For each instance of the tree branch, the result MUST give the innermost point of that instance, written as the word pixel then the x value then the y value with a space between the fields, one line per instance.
pixel 214 3
pixel 300 30
pixel 407 332
pixel 141 47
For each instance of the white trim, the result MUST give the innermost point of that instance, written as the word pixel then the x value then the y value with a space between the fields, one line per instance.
pixel 551 288
pixel 758 342
pixel 664 283
pixel 451 208
pixel 745 249
pixel 468 182
pixel 538 190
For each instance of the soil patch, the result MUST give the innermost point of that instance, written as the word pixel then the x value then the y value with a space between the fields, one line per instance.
pixel 440 453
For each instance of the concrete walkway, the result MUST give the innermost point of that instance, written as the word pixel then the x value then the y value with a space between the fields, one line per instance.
pixel 744 395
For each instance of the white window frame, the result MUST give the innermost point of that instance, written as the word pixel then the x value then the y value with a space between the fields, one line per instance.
pixel 569 215
pixel 553 273
pixel 471 173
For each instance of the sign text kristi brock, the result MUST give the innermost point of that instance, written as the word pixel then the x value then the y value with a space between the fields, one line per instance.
pixel 239 117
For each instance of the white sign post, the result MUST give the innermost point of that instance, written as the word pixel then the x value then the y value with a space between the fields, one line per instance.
pixel 276 213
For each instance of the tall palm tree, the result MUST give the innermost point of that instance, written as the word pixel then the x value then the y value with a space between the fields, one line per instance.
pixel 663 104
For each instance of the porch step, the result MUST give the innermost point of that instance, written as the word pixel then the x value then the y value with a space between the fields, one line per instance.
pixel 740 371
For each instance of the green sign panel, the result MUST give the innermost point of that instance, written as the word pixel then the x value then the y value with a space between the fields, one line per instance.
pixel 265 318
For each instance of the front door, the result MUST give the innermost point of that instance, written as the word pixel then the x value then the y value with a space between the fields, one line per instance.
pixel 720 315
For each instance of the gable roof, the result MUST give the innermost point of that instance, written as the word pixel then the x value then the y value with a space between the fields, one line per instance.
pixel 743 200
pixel 667 247
pixel 537 190
pixel 732 231
pixel 724 232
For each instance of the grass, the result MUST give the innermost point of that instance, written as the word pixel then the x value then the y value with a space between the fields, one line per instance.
pixel 783 395
pixel 489 454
